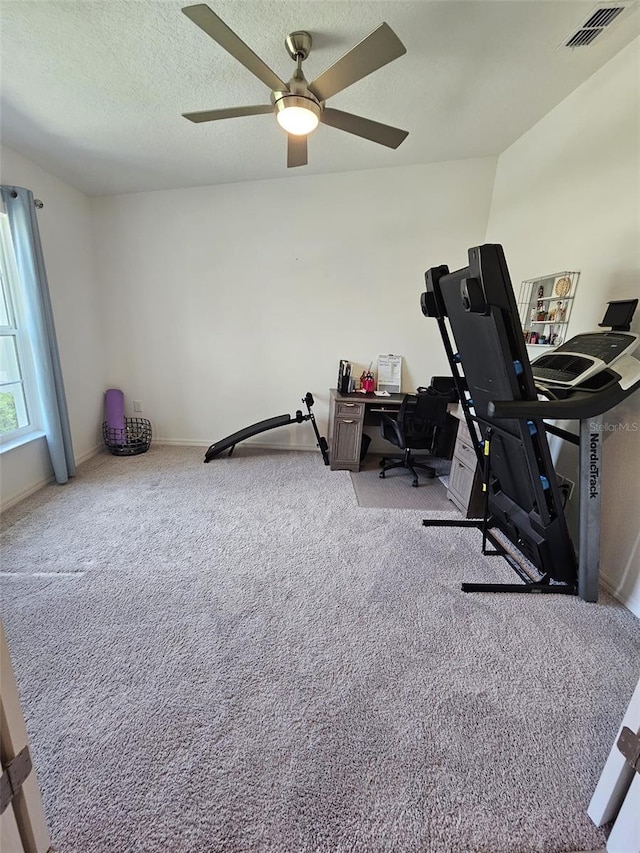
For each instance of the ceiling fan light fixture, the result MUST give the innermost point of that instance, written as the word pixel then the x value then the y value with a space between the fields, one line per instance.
pixel 297 115
pixel 299 106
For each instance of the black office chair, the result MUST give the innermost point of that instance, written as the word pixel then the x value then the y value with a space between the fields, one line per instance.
pixel 416 427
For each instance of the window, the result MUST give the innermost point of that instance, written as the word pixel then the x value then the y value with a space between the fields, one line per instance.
pixel 16 383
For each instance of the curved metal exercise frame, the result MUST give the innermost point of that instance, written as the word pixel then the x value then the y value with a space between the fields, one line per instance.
pixel 230 441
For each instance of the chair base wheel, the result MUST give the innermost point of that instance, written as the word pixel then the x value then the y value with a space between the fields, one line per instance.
pixel 415 484
pixel 381 475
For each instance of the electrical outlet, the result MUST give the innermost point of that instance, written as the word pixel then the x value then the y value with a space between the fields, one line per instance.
pixel 137 405
pixel 566 486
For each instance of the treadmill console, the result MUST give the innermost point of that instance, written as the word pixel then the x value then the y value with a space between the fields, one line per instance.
pixel 582 357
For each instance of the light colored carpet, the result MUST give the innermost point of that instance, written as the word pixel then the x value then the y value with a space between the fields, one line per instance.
pixel 396 491
pixel 236 657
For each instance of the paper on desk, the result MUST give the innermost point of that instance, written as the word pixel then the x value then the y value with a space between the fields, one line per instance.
pixel 390 373
pixel 382 393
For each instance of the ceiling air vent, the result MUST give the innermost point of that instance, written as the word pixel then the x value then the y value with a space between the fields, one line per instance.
pixel 597 21
pixel 582 37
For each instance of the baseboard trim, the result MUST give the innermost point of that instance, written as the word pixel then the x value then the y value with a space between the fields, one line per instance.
pixel 631 602
pixel 11 502
pixel 84 457
pixel 257 445
pixel 89 454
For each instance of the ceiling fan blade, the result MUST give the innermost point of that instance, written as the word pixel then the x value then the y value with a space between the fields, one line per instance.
pixel 213 26
pixel 383 134
pixel 296 150
pixel 231 112
pixel 375 50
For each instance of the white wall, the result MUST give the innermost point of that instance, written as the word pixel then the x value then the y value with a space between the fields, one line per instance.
pixel 567 196
pixel 65 230
pixel 224 305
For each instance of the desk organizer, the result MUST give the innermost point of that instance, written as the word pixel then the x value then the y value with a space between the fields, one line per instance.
pixel 133 439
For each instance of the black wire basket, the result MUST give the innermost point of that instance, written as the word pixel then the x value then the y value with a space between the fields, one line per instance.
pixel 133 439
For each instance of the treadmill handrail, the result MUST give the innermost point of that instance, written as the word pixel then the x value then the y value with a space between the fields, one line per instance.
pixel 578 406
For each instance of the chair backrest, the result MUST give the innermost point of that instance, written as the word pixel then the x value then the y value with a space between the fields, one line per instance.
pixel 444 386
pixel 419 417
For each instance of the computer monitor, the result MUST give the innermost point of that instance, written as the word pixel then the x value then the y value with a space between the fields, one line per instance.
pixel 619 315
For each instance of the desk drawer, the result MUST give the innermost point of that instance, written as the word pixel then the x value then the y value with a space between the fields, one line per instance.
pixel 465 452
pixel 460 483
pixel 463 432
pixel 349 410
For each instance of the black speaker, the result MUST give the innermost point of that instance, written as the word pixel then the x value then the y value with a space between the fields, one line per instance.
pixel 344 375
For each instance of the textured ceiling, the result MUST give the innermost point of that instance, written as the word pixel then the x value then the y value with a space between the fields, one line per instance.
pixel 93 91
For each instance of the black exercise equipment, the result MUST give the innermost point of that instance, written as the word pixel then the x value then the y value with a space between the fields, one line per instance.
pixel 230 441
pixel 499 397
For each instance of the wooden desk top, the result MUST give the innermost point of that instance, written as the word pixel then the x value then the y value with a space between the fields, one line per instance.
pixel 393 401
pixel 370 398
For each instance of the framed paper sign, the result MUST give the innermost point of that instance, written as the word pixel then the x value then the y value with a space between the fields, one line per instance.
pixel 390 373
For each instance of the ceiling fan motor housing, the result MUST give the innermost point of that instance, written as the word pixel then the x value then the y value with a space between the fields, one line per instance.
pixel 298 44
pixel 297 94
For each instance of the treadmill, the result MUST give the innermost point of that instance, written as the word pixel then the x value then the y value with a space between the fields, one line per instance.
pixel 506 401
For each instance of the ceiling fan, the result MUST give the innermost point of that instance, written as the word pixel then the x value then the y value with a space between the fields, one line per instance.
pixel 299 106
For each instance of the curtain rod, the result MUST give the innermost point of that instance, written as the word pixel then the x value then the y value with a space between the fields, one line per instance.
pixel 39 204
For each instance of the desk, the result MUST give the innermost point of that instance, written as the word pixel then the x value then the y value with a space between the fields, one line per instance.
pixel 349 413
pixel 347 416
pixel 465 478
